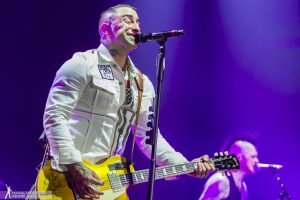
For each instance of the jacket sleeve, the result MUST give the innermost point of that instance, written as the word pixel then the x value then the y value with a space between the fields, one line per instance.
pixel 166 155
pixel 68 85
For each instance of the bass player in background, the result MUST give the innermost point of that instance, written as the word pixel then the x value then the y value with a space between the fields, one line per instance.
pixel 233 187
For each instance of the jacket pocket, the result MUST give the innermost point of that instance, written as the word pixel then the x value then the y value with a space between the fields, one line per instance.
pixel 104 85
pixel 106 96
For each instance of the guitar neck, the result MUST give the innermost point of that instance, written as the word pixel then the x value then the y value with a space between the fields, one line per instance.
pixel 142 176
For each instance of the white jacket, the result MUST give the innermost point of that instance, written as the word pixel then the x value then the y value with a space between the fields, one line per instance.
pixel 84 117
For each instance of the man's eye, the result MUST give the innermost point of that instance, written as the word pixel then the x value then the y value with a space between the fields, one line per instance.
pixel 127 21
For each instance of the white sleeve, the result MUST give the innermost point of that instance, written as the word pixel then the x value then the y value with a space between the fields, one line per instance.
pixel 66 89
pixel 166 155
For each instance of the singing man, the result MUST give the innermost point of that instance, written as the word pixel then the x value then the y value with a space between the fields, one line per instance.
pixel 94 102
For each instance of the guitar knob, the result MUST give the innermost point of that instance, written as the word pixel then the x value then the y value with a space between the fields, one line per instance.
pixel 216 154
pixel 221 154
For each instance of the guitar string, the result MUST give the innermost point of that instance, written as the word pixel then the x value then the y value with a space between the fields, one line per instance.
pixel 143 175
pixel 160 173
pixel 127 179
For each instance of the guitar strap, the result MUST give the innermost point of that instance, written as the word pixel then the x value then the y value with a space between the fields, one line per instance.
pixel 139 81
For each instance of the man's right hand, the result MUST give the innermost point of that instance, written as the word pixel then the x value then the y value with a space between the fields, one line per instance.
pixel 84 181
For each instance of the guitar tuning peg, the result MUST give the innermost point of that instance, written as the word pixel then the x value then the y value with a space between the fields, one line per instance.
pixel 149 124
pixel 226 153
pixel 216 154
pixel 149 133
pixel 150 109
pixel 228 173
pixel 151 116
pixel 148 141
pixel 221 154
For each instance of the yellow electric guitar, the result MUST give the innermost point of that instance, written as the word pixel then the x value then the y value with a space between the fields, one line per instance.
pixel 117 175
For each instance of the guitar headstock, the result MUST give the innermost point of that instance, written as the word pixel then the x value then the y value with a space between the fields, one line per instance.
pixel 223 161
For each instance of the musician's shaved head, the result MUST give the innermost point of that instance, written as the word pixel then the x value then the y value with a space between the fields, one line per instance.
pixel 247 155
pixel 107 15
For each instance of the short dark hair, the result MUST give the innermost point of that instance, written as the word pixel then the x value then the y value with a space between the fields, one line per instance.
pixel 113 10
pixel 247 135
pixel 121 5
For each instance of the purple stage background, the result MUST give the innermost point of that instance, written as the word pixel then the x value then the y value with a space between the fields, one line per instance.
pixel 236 67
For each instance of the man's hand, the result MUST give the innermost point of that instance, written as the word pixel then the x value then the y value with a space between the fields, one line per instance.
pixel 203 167
pixel 84 181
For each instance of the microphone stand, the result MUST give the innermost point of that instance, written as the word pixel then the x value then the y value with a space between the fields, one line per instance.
pixel 283 193
pixel 160 62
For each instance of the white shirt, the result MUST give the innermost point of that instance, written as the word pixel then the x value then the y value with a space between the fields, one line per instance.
pixel 85 116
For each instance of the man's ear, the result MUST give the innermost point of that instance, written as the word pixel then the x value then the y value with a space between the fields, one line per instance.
pixel 239 156
pixel 104 29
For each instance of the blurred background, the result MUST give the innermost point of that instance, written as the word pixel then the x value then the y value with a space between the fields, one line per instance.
pixel 236 67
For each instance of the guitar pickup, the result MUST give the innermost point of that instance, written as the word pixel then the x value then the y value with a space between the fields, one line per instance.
pixel 118 165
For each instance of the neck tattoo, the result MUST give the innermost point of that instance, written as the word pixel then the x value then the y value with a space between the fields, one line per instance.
pixel 114 53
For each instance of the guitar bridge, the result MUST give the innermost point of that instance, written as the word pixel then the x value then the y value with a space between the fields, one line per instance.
pixel 115 181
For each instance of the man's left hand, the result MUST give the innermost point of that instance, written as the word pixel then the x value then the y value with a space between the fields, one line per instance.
pixel 203 167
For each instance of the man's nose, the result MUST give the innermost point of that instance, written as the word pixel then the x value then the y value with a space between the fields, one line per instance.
pixel 136 27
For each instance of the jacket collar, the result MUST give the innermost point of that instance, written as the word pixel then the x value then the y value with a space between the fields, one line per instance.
pixel 105 56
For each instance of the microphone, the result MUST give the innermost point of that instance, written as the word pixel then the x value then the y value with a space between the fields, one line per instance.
pixel 269 166
pixel 145 37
